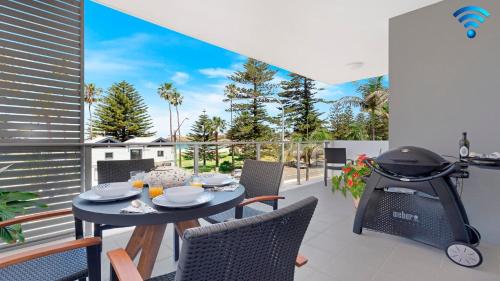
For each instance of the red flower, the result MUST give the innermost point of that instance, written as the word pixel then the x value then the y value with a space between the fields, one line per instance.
pixel 362 157
pixel 346 170
pixel 355 175
pixel 350 183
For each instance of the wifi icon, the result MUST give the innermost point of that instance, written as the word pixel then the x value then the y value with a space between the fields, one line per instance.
pixel 471 17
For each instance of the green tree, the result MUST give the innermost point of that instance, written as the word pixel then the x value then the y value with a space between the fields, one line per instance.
pixel 121 113
pixel 358 129
pixel 309 148
pixel 202 131
pixel 92 93
pixel 176 100
pixel 373 100
pixel 341 118
pixel 218 126
pixel 230 93
pixel 255 84
pixel 299 100
pixel 166 91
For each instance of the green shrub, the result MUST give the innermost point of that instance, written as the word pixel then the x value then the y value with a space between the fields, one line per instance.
pixel 204 169
pixel 226 167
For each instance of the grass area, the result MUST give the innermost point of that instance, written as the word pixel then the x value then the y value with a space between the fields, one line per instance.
pixel 187 163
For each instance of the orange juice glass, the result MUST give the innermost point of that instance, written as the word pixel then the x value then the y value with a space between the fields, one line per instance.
pixel 155 188
pixel 137 179
pixel 155 191
pixel 138 183
pixel 196 181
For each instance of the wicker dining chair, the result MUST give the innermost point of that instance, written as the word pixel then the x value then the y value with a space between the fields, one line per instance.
pixel 67 261
pixel 119 170
pixel 263 247
pixel 262 182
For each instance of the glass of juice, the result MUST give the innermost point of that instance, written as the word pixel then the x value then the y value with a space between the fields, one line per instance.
pixel 137 179
pixel 196 181
pixel 155 188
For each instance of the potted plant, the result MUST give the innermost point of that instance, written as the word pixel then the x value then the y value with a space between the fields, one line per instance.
pixel 13 203
pixel 352 179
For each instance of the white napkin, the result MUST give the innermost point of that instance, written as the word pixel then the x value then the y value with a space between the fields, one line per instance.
pixel 231 187
pixel 144 209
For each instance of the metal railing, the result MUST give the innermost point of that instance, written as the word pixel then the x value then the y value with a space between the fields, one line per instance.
pixel 294 154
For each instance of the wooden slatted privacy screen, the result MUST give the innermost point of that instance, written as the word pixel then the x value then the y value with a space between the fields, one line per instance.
pixel 41 49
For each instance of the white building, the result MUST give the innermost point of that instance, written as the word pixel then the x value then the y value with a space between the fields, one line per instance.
pixel 135 148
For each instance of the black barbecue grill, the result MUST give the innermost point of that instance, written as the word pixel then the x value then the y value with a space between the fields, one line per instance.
pixel 411 161
pixel 410 193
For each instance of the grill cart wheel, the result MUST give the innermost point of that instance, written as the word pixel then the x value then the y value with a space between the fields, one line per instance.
pixel 464 254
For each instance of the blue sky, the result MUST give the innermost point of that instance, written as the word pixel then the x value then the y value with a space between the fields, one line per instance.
pixel 120 47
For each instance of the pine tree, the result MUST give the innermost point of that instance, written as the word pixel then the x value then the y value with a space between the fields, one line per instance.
pixel 341 118
pixel 121 113
pixel 299 100
pixel 202 131
pixel 254 83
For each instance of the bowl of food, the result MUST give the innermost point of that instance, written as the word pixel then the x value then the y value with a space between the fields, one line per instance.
pixel 183 194
pixel 113 189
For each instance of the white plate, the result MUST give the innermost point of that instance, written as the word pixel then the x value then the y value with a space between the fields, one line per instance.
pixel 216 179
pixel 91 196
pixel 164 202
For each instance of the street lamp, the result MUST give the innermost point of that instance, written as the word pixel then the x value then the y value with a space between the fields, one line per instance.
pixel 282 119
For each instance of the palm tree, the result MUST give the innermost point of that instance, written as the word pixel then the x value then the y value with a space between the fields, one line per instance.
pixel 92 94
pixel 218 125
pixel 166 91
pixel 176 99
pixel 231 92
pixel 374 97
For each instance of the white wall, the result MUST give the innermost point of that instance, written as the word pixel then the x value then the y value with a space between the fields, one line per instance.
pixel 355 148
pixel 442 84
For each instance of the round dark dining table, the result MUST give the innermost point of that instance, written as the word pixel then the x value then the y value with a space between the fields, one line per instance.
pixel 150 227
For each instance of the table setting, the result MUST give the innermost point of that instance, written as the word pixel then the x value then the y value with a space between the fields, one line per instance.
pixel 168 188
pixel 149 201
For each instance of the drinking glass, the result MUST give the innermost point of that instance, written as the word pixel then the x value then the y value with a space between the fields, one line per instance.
pixel 196 181
pixel 155 188
pixel 137 179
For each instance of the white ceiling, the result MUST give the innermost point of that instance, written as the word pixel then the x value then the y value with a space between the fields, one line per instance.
pixel 332 41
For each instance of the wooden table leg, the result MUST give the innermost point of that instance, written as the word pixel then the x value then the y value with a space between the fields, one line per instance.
pixel 183 225
pixel 135 243
pixel 179 228
pixel 147 240
pixel 150 247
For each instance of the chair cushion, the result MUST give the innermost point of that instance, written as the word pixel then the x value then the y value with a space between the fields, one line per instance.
pixel 166 277
pixel 70 265
pixel 230 214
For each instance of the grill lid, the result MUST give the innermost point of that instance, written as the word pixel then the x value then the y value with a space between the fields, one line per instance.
pixel 411 161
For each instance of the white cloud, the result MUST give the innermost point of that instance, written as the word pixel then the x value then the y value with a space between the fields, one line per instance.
pixel 329 92
pixel 180 78
pixel 216 72
pixel 119 57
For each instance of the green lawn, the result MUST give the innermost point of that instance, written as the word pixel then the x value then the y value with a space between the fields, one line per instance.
pixel 187 163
